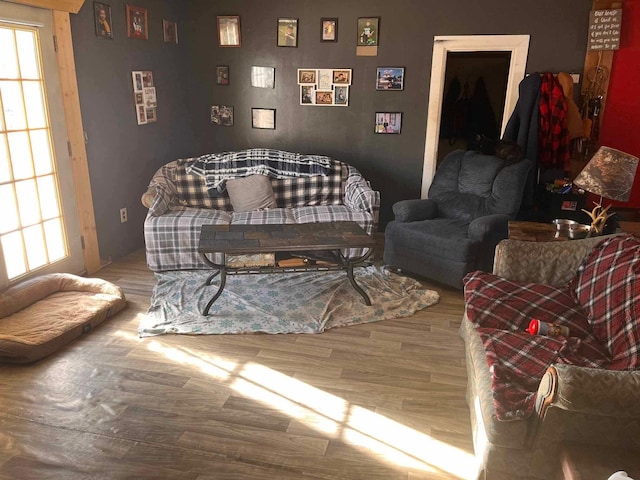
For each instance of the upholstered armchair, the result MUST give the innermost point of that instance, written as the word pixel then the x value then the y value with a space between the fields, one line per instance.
pixel 456 230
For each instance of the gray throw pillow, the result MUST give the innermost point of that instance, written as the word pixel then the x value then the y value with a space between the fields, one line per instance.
pixel 251 193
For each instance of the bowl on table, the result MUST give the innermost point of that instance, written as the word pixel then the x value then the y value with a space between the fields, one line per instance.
pixel 563 225
pixel 579 231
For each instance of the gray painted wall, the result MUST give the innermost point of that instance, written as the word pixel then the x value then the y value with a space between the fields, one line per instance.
pixel 123 156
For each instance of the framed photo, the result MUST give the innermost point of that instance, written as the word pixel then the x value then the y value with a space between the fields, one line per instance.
pixel 263 77
pixel 390 78
pixel 341 95
pixel 263 118
pixel 368 31
pixel 142 116
pixel 137 25
pixel 102 18
pixel 328 29
pixel 170 31
pixel 137 81
pixel 307 94
pixel 324 98
pixel 388 122
pixel 287 32
pixel 229 31
pixel 151 115
pixel 222 115
pixel 307 76
pixel 342 77
pixel 222 75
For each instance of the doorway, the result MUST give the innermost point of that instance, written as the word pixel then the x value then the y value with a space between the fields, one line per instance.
pixel 39 226
pixel 516 46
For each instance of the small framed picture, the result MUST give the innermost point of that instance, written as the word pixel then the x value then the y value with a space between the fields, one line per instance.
pixel 137 81
pixel 102 18
pixel 222 115
pixel 328 29
pixel 142 116
pixel 287 32
pixel 306 76
pixel 368 31
pixel 388 122
pixel 222 75
pixel 341 95
pixel 263 77
pixel 390 78
pixel 324 98
pixel 263 118
pixel 139 98
pixel 307 95
pixel 342 77
pixel 229 31
pixel 137 25
pixel 151 114
pixel 170 31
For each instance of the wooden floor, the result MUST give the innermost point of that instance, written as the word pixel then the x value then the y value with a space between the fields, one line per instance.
pixel 377 401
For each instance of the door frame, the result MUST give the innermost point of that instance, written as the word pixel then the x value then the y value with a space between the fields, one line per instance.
pixel 518 45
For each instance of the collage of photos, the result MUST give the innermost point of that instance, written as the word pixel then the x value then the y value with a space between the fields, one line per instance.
pixel 144 94
pixel 222 115
pixel 324 87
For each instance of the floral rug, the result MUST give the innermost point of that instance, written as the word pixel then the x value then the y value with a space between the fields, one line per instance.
pixel 306 302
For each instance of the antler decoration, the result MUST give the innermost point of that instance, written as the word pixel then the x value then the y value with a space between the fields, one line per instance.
pixel 599 218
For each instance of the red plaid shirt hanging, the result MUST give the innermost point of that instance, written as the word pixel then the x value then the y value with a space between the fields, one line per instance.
pixel 553 134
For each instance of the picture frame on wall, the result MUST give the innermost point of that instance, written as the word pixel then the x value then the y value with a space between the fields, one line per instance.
pixel 263 118
pixel 137 22
pixel 388 122
pixel 222 75
pixel 368 31
pixel 307 76
pixel 390 78
pixel 222 115
pixel 263 77
pixel 170 32
pixel 102 19
pixel 328 29
pixel 287 32
pixel 229 31
pixel 307 94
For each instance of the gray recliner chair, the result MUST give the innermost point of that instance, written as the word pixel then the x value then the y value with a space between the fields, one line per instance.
pixel 456 230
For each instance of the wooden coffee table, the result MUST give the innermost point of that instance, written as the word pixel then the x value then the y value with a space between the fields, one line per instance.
pixel 326 240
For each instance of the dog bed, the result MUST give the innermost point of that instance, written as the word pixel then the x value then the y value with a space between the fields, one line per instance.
pixel 40 315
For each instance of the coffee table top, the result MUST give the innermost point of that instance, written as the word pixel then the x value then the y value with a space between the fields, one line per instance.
pixel 290 237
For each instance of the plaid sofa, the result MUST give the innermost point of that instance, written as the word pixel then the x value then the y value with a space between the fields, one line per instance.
pixel 179 204
pixel 529 395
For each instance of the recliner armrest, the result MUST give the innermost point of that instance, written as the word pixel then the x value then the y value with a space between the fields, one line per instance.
pixel 492 228
pixel 415 210
pixel 591 391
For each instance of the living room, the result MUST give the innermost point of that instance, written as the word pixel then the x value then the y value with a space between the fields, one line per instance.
pixel 386 400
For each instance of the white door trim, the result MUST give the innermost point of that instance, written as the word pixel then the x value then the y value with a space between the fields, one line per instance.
pixel 518 45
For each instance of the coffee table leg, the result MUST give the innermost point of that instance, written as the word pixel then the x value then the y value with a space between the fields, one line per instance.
pixel 357 287
pixel 223 281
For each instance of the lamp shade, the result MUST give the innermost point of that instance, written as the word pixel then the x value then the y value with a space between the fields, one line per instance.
pixel 609 173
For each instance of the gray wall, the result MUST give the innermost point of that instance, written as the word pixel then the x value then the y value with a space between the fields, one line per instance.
pixel 123 156
pixel 393 163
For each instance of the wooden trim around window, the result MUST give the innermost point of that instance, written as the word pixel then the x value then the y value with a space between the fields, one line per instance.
pixel 75 131
pixel 70 6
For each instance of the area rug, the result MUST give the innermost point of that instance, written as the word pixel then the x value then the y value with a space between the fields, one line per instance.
pixel 305 302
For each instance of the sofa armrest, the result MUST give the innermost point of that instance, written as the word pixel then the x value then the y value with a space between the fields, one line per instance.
pixel 590 391
pixel 161 193
pixel 552 263
pixel 490 228
pixel 415 210
pixel 359 195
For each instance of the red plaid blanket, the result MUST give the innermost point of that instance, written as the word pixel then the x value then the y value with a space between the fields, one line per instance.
pixel 501 310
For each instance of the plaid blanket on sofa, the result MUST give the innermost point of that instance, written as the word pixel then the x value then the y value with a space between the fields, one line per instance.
pixel 217 168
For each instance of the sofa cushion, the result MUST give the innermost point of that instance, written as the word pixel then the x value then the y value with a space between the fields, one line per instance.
pixel 263 217
pixel 607 286
pixel 251 193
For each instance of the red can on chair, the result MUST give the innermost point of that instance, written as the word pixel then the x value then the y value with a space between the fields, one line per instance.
pixel 537 327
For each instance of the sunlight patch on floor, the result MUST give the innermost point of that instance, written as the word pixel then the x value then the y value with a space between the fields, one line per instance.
pixel 385 439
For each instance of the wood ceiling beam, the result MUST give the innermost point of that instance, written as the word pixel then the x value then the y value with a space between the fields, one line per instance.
pixel 71 6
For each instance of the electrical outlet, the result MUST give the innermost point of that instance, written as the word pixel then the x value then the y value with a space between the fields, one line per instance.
pixel 123 215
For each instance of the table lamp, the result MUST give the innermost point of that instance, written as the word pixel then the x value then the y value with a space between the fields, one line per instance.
pixel 610 174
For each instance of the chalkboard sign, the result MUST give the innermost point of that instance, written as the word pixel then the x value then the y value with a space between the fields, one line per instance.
pixel 604 29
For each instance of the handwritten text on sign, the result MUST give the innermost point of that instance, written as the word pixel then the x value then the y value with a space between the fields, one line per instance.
pixel 604 29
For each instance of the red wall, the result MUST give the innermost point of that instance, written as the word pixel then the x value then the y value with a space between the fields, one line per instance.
pixel 621 120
